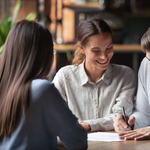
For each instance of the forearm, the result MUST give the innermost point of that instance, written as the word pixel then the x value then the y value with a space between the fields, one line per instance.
pixel 101 124
pixel 106 123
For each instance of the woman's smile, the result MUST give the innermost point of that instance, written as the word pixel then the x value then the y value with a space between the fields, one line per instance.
pixel 104 62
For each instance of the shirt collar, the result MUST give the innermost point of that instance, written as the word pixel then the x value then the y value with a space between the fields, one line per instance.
pixel 83 76
pixel 106 77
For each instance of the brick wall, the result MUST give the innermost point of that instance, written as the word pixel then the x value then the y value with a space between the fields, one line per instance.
pixel 27 6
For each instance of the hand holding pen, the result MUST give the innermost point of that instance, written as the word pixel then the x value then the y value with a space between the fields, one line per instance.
pixel 123 122
pixel 125 118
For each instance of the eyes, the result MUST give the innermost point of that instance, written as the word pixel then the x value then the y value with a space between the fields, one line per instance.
pixel 97 50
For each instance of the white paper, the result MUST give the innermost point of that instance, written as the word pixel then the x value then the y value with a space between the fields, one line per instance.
pixel 103 136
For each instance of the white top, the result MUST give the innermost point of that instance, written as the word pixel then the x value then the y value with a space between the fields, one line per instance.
pixel 97 103
pixel 142 105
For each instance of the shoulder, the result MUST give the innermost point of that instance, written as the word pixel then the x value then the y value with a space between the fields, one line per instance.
pixel 122 69
pixel 67 72
pixel 42 87
pixel 123 75
pixel 41 84
pixel 144 61
pixel 143 64
pixel 144 70
pixel 67 69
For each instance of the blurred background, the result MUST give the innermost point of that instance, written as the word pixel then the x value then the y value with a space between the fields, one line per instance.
pixel 129 20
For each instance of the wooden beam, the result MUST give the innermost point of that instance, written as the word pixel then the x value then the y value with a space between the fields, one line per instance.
pixel 117 47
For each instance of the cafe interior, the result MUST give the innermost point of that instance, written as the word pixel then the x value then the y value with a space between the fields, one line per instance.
pixel 128 19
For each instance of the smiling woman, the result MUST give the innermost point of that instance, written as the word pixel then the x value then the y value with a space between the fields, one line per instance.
pixel 98 55
pixel 94 89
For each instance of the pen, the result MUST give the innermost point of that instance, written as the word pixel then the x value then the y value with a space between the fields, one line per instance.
pixel 124 115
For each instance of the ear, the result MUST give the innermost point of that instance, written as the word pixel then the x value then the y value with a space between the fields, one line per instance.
pixel 82 49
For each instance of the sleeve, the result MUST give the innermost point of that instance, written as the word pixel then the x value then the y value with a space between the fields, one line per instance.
pixel 60 121
pixel 59 84
pixel 124 98
pixel 101 124
pixel 142 106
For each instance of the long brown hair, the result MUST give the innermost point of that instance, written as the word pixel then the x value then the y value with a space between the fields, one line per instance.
pixel 27 55
pixel 85 30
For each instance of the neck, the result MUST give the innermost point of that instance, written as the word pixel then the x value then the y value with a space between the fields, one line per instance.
pixel 94 74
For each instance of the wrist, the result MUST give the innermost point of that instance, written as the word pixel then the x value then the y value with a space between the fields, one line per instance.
pixel 86 126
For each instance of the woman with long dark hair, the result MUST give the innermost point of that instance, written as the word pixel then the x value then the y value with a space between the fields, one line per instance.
pixel 32 112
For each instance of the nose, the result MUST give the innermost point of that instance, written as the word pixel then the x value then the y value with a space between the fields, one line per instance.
pixel 103 55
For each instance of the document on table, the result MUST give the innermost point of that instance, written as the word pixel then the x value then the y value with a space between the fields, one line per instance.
pixel 103 136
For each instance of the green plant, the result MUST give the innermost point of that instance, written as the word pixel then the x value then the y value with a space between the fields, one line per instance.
pixel 7 23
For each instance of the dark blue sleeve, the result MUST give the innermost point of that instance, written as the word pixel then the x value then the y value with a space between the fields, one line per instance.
pixel 58 118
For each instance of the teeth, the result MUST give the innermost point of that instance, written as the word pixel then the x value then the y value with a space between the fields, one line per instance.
pixel 102 62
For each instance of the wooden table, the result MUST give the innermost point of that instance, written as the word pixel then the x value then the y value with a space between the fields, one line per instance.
pixel 120 145
pixel 123 145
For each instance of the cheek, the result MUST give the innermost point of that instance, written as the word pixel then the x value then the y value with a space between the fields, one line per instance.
pixel 111 54
pixel 90 55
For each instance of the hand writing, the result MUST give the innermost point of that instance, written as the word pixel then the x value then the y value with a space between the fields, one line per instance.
pixel 120 125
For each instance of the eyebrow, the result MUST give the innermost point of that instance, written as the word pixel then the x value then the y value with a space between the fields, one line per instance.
pixel 111 44
pixel 98 47
pixel 94 47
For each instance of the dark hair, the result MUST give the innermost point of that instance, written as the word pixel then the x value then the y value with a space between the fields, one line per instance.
pixel 27 55
pixel 86 29
pixel 145 41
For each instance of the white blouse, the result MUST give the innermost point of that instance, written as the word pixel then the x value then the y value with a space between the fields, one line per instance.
pixel 142 104
pixel 97 103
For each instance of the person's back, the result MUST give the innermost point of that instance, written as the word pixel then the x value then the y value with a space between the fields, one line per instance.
pixel 48 116
pixel 32 111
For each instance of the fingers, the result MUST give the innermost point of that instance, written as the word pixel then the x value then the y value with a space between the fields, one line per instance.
pixel 121 121
pixel 133 135
pixel 142 137
pixel 131 120
pixel 138 134
pixel 128 136
pixel 119 124
pixel 119 128
pixel 127 133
